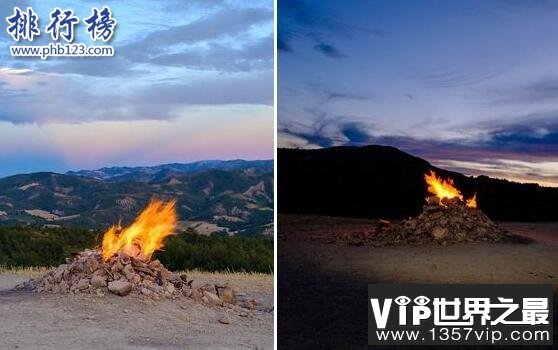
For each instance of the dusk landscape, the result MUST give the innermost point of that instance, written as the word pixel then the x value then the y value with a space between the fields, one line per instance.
pixel 137 189
pixel 417 145
pixel 469 86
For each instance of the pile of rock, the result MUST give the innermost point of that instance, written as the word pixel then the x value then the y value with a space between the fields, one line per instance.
pixel 452 221
pixel 449 221
pixel 122 275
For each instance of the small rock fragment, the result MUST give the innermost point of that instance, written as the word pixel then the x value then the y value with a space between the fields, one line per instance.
pixel 121 288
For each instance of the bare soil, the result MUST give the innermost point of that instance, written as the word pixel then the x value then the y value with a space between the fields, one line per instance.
pixel 322 283
pixel 45 321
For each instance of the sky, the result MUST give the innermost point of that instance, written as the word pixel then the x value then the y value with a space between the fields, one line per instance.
pixel 470 86
pixel 190 80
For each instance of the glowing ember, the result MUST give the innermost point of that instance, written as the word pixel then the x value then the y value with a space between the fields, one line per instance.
pixel 441 188
pixel 472 202
pixel 145 235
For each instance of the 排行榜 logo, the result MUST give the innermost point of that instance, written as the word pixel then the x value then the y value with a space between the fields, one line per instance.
pixel 24 25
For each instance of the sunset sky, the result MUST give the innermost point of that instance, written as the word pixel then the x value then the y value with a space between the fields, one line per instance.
pixel 190 80
pixel 470 86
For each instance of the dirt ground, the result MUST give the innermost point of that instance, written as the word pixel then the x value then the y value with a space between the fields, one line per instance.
pixel 32 321
pixel 322 286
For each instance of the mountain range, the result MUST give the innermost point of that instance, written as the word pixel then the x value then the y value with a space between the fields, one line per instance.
pixel 385 182
pixel 147 173
pixel 230 196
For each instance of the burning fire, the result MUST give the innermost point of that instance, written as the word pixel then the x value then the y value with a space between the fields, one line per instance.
pixel 472 202
pixel 445 189
pixel 145 235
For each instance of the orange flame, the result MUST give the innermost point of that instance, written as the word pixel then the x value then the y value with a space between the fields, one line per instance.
pixel 472 202
pixel 145 235
pixel 441 188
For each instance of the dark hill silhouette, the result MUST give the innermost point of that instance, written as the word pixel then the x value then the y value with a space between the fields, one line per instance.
pixel 384 182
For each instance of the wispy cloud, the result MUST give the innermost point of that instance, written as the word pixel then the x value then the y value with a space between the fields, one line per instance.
pixel 179 68
pixel 300 20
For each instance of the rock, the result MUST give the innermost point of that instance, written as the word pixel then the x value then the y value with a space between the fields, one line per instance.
pixel 59 273
pixel 86 272
pixel 439 232
pixel 98 281
pixel 188 292
pixel 224 320
pixel 120 287
pixel 82 284
pixel 433 201
pixel 211 299
pixel 176 281
pixel 226 294
pixel 153 287
pixel 128 270
pixel 117 266
pixel 133 278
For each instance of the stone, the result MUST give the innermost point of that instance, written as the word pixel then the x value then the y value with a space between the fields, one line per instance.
pixel 59 273
pixel 224 320
pixel 226 294
pixel 176 281
pixel 117 266
pixel 98 281
pixel 188 292
pixel 133 278
pixel 120 287
pixel 439 232
pixel 82 284
pixel 87 273
pixel 170 288
pixel 211 299
pixel 433 201
pixel 128 270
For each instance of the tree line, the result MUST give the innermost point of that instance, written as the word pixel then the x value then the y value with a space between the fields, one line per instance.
pixel 43 246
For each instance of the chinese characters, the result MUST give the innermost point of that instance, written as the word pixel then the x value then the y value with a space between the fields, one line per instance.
pixel 24 25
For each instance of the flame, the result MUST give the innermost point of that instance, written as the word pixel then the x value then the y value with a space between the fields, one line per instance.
pixel 145 235
pixel 472 202
pixel 441 188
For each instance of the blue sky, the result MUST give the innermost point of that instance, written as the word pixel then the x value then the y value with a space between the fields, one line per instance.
pixel 468 85
pixel 190 80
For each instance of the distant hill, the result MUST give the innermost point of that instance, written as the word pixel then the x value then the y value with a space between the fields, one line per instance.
pixel 237 197
pixel 384 182
pixel 148 173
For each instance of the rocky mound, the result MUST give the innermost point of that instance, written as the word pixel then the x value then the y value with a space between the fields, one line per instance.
pixel 450 221
pixel 122 275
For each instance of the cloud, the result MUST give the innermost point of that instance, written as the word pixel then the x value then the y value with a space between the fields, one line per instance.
pixel 225 23
pixel 298 20
pixel 50 98
pixel 332 95
pixel 224 38
pixel 222 54
pixel 254 56
pixel 328 50
pixel 543 90
pixel 455 79
pixel 251 89
pixel 525 150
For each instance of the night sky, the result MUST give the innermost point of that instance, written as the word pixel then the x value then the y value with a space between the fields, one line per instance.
pixel 190 80
pixel 470 86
